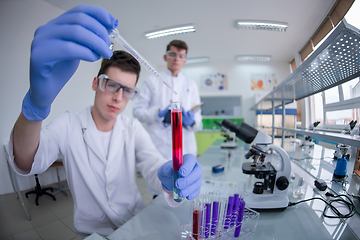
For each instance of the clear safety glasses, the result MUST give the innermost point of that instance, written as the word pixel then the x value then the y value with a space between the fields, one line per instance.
pixel 112 86
pixel 172 54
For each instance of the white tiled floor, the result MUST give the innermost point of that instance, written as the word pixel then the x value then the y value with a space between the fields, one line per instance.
pixel 51 220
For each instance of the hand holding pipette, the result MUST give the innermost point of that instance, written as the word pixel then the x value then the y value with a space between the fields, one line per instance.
pixel 57 48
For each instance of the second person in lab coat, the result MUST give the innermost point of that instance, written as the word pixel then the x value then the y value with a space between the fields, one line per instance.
pixel 153 102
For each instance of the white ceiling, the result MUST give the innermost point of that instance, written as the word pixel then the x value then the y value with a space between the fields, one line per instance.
pixel 216 35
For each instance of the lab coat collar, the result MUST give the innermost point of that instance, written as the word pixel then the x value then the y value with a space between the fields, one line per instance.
pixel 168 72
pixel 90 133
pixel 92 140
pixel 117 141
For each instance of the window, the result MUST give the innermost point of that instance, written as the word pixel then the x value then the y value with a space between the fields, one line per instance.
pixel 341 117
pixel 319 111
pixel 337 106
pixel 332 95
pixel 351 89
pixel 335 15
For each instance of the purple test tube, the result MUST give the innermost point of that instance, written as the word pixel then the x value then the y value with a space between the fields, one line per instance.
pixel 215 212
pixel 229 208
pixel 207 216
pixel 239 190
pixel 239 218
pixel 235 209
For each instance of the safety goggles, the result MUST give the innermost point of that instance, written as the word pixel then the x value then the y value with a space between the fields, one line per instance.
pixel 112 86
pixel 172 54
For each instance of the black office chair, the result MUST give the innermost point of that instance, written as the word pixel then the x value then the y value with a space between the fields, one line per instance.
pixel 40 191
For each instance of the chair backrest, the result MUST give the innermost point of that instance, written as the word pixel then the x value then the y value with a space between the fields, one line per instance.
pixel 7 159
pixel 57 164
pixel 6 150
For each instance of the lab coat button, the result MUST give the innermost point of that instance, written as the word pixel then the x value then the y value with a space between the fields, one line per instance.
pixel 112 204
pixel 108 169
pixel 109 187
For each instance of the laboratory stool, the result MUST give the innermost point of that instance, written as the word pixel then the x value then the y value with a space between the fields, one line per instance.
pixel 40 191
pixel 57 165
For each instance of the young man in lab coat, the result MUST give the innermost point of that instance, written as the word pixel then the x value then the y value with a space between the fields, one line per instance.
pixel 100 147
pixel 152 104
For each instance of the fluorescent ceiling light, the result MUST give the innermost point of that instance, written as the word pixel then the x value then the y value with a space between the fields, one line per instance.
pixel 250 58
pixel 261 25
pixel 170 31
pixel 197 60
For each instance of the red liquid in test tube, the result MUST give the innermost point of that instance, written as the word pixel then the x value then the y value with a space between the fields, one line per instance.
pixel 177 144
pixel 196 223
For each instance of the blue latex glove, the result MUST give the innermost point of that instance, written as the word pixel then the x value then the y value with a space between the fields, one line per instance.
pixel 191 177
pixel 58 46
pixel 188 118
pixel 163 112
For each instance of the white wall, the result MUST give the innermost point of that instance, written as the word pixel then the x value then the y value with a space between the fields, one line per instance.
pixel 19 20
pixel 238 75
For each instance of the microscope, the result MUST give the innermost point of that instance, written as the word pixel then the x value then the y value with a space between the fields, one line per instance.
pixel 230 141
pixel 342 149
pixel 271 192
pixel 354 128
pixel 350 129
pixel 307 140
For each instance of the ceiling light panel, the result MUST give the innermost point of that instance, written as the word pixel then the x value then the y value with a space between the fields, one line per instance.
pixel 197 60
pixel 261 25
pixel 253 58
pixel 188 28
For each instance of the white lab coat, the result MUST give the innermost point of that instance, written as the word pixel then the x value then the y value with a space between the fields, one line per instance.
pixel 104 191
pixel 154 95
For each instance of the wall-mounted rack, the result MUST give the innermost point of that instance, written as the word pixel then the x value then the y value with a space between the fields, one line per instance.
pixel 334 62
pixel 332 137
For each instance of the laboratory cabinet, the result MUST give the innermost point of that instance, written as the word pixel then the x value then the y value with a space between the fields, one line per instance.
pixel 217 107
pixel 221 105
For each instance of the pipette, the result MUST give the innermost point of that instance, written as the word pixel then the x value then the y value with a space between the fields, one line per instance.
pixel 115 34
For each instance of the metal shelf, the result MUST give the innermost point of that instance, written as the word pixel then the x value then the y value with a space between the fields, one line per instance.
pixel 333 137
pixel 335 61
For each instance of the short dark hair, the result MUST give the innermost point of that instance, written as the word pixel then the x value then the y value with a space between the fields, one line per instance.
pixel 178 44
pixel 122 60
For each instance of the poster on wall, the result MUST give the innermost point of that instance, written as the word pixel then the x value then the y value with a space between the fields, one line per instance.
pixel 214 82
pixel 263 82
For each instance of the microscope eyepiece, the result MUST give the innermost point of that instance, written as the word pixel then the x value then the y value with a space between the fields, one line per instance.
pixel 245 132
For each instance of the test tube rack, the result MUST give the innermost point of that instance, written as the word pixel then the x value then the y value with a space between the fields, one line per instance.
pixel 249 224
pixel 236 230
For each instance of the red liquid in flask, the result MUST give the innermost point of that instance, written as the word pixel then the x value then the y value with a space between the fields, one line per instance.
pixel 177 144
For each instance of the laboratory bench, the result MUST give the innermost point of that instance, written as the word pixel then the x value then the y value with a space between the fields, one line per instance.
pixel 302 221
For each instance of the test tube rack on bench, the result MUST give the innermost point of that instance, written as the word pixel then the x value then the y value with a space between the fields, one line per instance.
pixel 219 212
